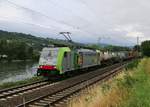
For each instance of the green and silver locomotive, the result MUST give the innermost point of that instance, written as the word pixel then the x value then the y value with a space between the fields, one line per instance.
pixel 59 60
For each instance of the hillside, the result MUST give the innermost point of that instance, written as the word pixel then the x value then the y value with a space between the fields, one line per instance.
pixel 36 42
pixel 19 46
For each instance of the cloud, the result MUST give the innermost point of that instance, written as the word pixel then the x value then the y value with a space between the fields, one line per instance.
pixel 121 21
pixel 135 34
pixel 126 28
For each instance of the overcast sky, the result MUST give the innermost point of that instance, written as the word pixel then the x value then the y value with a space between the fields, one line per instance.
pixel 117 22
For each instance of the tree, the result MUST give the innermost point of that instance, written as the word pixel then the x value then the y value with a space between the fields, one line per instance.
pixel 145 47
pixel 22 54
pixel 30 52
pixel 137 48
pixel 3 45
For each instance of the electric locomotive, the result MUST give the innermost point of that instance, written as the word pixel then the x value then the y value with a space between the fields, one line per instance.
pixel 59 60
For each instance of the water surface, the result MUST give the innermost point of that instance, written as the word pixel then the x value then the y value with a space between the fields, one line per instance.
pixel 15 71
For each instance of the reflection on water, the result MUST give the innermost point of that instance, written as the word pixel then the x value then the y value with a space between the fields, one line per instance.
pixel 15 71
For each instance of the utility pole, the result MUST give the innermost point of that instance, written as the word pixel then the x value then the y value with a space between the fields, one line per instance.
pixel 99 41
pixel 137 45
pixel 137 40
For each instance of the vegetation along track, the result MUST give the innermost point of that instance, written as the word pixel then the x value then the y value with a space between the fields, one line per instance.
pixel 71 86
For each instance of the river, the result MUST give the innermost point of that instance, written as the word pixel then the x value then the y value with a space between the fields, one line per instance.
pixel 15 71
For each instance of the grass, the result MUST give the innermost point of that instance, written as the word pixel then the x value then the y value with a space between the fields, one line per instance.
pixel 140 91
pixel 18 83
pixel 128 89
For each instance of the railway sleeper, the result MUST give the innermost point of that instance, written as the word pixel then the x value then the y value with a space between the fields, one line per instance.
pixel 60 105
pixel 45 101
pixel 35 106
pixel 41 104
pixel 3 99
pixel 52 99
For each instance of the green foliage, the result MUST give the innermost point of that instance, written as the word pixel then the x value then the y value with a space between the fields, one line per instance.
pixel 36 42
pixel 137 48
pixel 95 46
pixel 105 88
pixel 138 85
pixel 16 50
pixel 127 81
pixel 139 94
pixel 132 64
pixel 19 46
pixel 145 47
pixel 116 48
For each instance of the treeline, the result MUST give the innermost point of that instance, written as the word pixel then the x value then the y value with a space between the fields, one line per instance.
pixel 145 48
pixel 17 50
pixel 36 42
pixel 19 46
pixel 116 48
pixel 110 48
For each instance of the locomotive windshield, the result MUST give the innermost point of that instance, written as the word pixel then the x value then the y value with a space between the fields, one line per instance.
pixel 48 56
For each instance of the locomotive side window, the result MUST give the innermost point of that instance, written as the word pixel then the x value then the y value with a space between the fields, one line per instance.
pixel 49 54
pixel 80 58
pixel 65 54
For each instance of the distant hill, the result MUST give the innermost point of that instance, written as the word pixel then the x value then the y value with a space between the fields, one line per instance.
pixel 31 40
pixel 38 42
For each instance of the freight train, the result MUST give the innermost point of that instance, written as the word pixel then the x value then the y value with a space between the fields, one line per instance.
pixel 56 61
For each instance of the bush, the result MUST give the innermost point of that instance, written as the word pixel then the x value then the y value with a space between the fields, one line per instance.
pixel 132 65
pixel 145 46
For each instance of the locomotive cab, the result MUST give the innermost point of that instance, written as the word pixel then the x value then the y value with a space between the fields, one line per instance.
pixel 48 62
pixel 55 61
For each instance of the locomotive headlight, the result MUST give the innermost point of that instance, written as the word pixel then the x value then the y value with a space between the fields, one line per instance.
pixel 54 67
pixel 40 66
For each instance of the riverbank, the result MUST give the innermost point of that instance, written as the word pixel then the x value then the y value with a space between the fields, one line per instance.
pixel 18 83
pixel 129 89
pixel 27 60
pixel 17 71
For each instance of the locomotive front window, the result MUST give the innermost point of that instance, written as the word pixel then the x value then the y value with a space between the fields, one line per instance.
pixel 48 57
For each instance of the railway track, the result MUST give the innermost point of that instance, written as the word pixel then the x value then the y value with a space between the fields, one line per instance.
pixel 56 99
pixel 45 94
pixel 9 93
pixel 12 91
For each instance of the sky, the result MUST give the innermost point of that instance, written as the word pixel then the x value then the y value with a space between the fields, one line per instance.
pixel 116 22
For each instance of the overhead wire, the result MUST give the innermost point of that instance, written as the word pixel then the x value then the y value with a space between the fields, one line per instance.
pixel 76 27
pixel 97 16
pixel 33 11
pixel 28 9
pixel 57 21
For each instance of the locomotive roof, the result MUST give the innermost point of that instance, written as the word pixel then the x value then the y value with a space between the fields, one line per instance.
pixel 85 50
pixel 50 48
pixel 53 48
